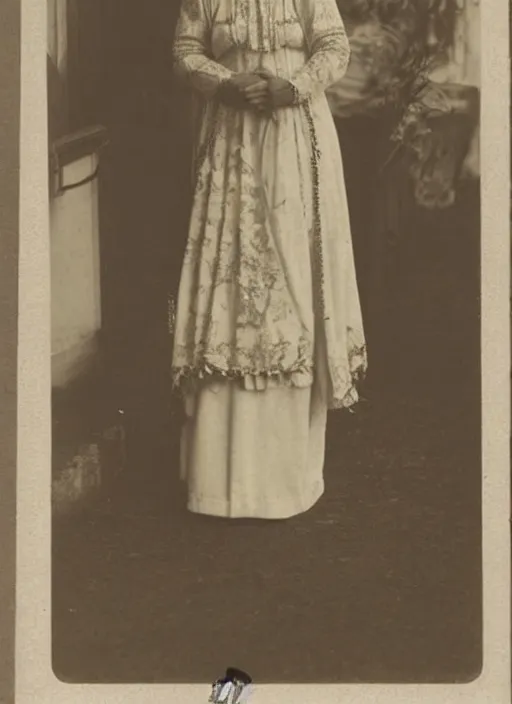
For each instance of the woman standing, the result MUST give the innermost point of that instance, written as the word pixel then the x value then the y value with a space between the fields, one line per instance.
pixel 268 329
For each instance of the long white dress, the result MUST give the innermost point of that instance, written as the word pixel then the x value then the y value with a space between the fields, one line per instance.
pixel 268 330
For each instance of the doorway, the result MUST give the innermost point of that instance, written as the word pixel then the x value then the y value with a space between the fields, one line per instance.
pixel 120 76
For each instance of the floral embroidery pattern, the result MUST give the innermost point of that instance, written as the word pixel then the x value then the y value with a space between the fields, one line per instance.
pixel 269 245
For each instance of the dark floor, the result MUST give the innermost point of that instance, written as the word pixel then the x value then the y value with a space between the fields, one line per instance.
pixel 379 582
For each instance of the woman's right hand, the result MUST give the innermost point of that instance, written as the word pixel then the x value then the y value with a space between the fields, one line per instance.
pixel 232 92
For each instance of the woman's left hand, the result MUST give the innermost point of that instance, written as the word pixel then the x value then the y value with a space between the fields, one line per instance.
pixel 276 93
pixel 280 93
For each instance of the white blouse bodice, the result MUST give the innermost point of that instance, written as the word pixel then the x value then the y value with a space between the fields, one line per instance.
pixel 213 35
pixel 261 26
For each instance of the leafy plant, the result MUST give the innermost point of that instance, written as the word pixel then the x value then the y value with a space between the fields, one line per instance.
pixel 413 38
pixel 413 98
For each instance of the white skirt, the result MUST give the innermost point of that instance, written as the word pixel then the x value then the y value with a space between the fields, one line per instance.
pixel 255 454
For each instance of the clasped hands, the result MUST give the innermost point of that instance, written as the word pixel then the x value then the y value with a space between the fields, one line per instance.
pixel 260 91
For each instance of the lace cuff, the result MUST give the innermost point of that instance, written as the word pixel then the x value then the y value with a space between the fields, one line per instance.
pixel 329 49
pixel 192 50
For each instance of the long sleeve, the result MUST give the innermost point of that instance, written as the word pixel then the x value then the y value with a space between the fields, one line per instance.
pixel 192 55
pixel 328 46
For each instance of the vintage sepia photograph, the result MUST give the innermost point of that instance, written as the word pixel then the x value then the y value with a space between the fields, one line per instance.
pixel 265 261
